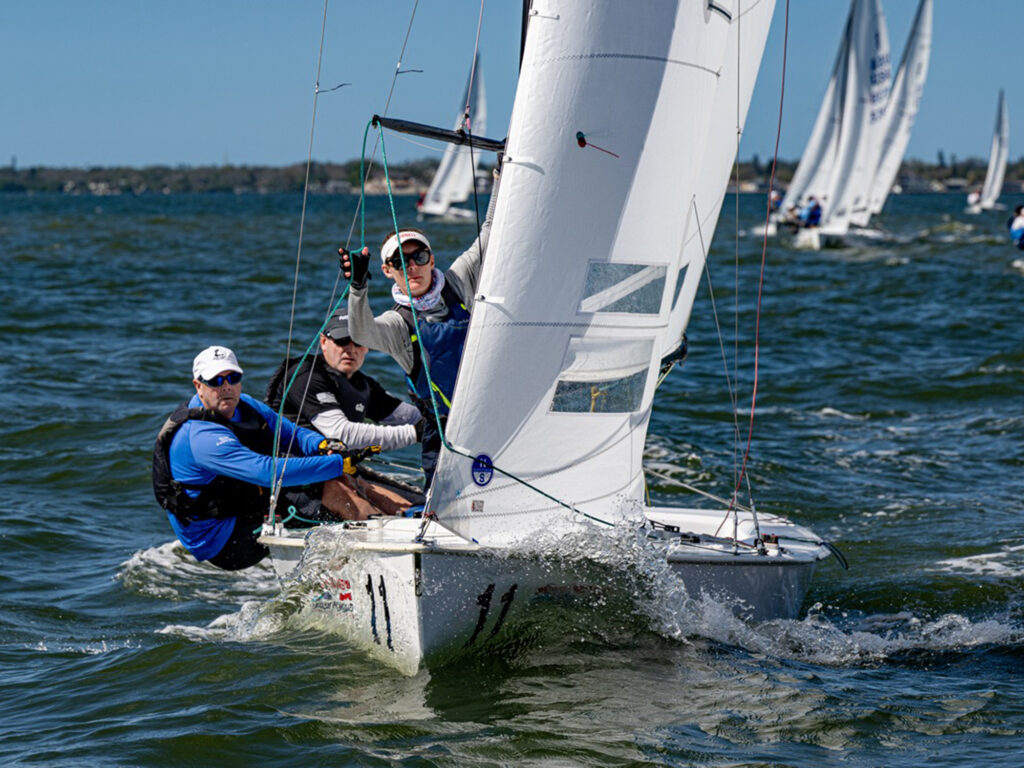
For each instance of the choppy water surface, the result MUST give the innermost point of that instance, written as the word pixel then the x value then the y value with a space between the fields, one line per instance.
pixel 890 420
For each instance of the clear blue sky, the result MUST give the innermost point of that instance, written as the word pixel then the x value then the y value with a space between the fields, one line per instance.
pixel 141 82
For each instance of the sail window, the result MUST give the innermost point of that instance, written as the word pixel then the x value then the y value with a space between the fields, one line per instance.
pixel 632 288
pixel 679 285
pixel 603 376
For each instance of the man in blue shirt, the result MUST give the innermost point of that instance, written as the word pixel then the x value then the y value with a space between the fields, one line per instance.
pixel 213 466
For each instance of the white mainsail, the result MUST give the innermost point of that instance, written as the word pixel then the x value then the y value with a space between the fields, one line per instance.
pixel 454 178
pixel 839 161
pixel 904 101
pixel 993 186
pixel 814 171
pixel 608 148
pixel 866 93
pixel 737 77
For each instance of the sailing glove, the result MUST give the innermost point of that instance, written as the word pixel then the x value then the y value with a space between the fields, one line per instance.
pixel 420 426
pixel 356 265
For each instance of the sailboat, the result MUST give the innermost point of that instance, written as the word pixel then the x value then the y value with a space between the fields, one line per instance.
pixel 614 170
pixel 455 177
pixel 838 164
pixel 993 185
pixel 904 100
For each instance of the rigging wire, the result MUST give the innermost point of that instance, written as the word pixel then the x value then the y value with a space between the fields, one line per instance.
pixel 764 252
pixel 298 254
pixel 384 113
pixel 334 305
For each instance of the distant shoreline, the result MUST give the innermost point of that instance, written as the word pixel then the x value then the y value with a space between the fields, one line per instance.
pixel 410 178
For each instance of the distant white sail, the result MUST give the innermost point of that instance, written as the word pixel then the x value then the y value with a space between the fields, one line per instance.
pixel 814 171
pixel 609 145
pixel 454 178
pixel 904 101
pixel 993 186
pixel 866 93
pixel 839 161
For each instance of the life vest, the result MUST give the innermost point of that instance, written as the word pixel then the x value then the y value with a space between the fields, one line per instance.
pixel 222 497
pixel 352 394
pixel 443 341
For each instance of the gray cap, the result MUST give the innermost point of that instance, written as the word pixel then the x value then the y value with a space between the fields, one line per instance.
pixel 337 326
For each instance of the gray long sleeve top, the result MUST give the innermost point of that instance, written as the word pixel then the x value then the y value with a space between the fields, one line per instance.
pixel 388 332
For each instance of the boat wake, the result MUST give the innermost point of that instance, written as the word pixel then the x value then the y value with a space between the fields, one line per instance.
pixel 634 593
pixel 169 572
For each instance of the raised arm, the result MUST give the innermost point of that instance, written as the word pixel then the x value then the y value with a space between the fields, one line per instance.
pixel 465 270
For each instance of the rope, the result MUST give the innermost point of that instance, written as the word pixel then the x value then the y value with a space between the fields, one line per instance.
pixel 764 253
pixel 335 305
pixel 384 113
pixel 293 514
pixel 298 254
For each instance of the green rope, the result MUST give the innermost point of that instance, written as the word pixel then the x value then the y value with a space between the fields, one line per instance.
pixel 426 366
pixel 293 514
pixel 279 481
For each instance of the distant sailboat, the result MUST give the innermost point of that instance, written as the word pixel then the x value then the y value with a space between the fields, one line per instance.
pixel 993 186
pixel 904 100
pixel 453 182
pixel 839 162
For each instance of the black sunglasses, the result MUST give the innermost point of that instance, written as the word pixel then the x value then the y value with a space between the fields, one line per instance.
pixel 343 342
pixel 219 379
pixel 419 257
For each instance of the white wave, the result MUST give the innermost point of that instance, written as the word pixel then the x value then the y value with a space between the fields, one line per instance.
pixel 827 411
pixel 1018 264
pixel 1007 563
pixel 169 572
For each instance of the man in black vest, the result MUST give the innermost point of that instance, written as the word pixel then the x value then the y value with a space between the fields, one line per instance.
pixel 331 395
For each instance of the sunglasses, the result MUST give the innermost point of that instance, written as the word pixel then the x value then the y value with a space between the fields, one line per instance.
pixel 344 342
pixel 420 257
pixel 219 379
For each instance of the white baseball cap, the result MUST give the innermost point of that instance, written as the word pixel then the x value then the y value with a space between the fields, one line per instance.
pixel 391 245
pixel 214 360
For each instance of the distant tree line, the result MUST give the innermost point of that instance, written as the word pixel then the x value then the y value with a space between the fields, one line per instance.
pixel 406 178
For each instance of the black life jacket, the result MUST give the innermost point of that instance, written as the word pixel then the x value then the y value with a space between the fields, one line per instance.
pixel 352 394
pixel 224 496
pixel 443 341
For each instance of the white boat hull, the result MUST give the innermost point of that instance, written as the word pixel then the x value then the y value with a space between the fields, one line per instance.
pixel 412 603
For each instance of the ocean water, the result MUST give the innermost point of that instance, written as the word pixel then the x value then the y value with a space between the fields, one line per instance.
pixel 890 419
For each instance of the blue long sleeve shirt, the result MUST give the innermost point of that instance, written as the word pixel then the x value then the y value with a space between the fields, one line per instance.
pixel 202 450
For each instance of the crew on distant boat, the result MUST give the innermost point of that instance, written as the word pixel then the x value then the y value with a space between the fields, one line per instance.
pixel 213 466
pixel 974 197
pixel 442 304
pixel 810 215
pixel 791 219
pixel 1016 226
pixel 328 393
pixel 774 200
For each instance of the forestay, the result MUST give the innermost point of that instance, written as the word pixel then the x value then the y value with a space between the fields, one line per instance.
pixel 903 105
pixel 615 132
pixel 997 156
pixel 453 180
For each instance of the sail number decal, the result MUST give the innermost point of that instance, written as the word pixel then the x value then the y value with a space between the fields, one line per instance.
pixel 383 592
pixel 484 600
pixel 483 470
